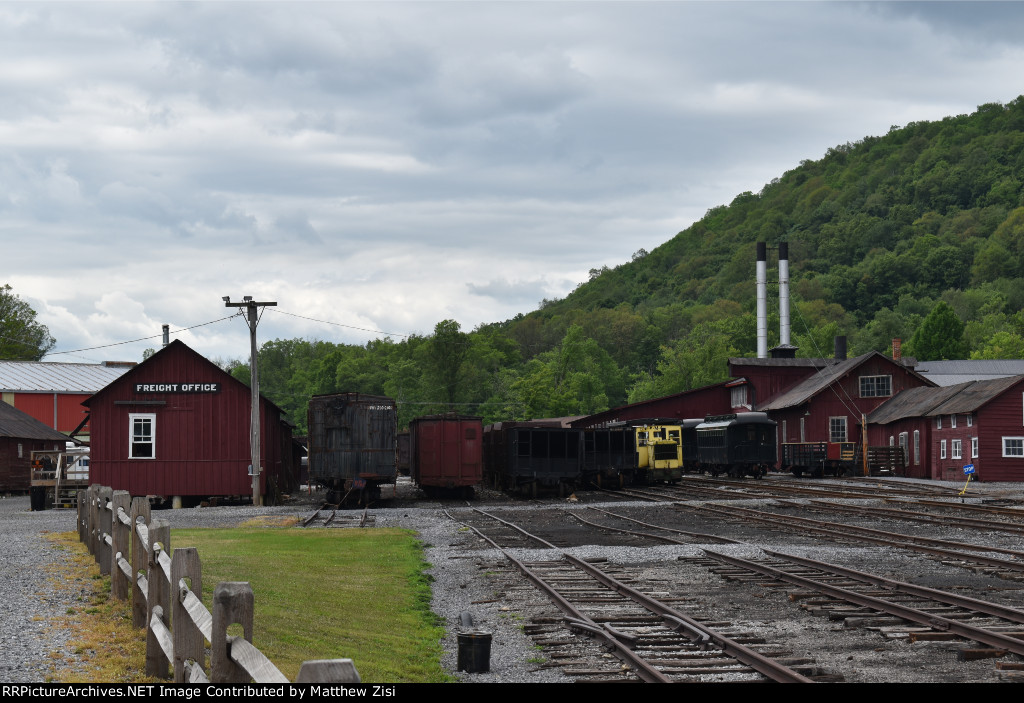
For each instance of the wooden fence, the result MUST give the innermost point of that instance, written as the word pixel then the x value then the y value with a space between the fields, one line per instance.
pixel 168 589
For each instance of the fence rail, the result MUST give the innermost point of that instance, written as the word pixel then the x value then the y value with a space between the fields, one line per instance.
pixel 166 588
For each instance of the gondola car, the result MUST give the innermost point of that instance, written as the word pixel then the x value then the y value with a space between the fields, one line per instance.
pixel 352 438
pixel 445 453
pixel 738 444
pixel 609 455
pixel 528 457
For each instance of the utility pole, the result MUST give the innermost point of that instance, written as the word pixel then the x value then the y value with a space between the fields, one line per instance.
pixel 254 416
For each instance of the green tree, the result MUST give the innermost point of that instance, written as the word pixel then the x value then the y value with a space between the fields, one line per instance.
pixel 940 336
pixel 21 337
pixel 448 349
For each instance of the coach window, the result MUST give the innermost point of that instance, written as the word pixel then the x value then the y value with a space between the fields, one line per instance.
pixel 142 428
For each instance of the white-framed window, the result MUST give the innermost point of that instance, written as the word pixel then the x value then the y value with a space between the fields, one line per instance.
pixel 956 449
pixel 970 420
pixel 803 434
pixel 875 386
pixel 837 429
pixel 903 446
pixel 917 447
pixel 952 421
pixel 1013 447
pixel 942 449
pixel 892 441
pixel 974 447
pixel 938 422
pixel 141 436
pixel 20 451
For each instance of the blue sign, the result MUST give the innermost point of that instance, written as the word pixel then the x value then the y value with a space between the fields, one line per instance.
pixel 968 469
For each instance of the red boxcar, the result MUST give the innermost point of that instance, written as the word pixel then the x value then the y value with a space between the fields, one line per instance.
pixel 446 452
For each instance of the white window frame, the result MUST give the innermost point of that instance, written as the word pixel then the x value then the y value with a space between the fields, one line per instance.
pixel 1018 448
pixel 942 449
pixel 834 433
pixel 917 447
pixel 904 438
pixel 938 422
pixel 974 447
pixel 956 449
pixel 874 387
pixel 952 421
pixel 149 418
pixel 970 420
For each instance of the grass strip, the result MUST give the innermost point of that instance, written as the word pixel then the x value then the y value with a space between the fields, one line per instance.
pixel 330 593
pixel 319 594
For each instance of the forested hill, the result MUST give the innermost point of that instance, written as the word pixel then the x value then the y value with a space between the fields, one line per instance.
pixel 926 222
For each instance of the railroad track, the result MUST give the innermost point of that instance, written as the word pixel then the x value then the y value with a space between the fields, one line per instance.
pixel 654 641
pixel 956 553
pixel 887 605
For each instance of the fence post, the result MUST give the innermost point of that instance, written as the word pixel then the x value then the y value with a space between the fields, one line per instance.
pixel 232 603
pixel 121 539
pixel 157 662
pixel 94 520
pixel 83 516
pixel 140 508
pixel 103 551
pixel 189 642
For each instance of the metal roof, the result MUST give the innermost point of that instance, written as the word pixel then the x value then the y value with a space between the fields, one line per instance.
pixel 945 400
pixel 18 425
pixel 948 373
pixel 57 377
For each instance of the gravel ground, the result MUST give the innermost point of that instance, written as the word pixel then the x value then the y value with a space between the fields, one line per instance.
pixel 31 601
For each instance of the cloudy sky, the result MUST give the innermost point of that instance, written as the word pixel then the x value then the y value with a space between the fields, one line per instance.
pixel 388 165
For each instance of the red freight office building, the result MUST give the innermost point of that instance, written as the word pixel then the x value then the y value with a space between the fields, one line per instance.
pixel 178 425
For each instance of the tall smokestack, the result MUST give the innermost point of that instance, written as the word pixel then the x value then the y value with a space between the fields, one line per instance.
pixel 167 335
pixel 784 293
pixel 762 300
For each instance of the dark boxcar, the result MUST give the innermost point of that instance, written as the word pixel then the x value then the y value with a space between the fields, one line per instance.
pixel 528 456
pixel 739 444
pixel 352 440
pixel 609 455
pixel 446 453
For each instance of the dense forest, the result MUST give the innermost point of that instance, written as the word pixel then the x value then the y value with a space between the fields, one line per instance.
pixel 917 235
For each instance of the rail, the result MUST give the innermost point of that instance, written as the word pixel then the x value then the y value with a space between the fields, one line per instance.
pixel 134 550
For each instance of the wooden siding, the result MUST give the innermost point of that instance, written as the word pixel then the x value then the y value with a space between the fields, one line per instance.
pixel 201 439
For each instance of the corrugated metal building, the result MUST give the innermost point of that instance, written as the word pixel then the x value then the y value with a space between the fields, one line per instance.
pixel 178 425
pixel 52 392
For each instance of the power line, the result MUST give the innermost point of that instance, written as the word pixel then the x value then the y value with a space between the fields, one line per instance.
pixel 140 339
pixel 338 324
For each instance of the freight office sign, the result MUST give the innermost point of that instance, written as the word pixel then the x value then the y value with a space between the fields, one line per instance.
pixel 177 387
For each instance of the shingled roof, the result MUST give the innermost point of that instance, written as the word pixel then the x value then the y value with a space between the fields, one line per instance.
pixel 18 425
pixel 825 377
pixel 961 398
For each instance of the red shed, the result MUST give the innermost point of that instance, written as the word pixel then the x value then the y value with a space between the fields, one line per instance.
pixel 978 422
pixel 178 425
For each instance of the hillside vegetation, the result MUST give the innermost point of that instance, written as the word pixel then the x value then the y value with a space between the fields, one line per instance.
pixel 923 224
